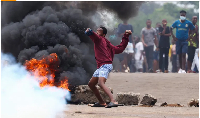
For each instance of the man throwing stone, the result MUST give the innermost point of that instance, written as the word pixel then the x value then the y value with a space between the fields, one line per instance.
pixel 104 54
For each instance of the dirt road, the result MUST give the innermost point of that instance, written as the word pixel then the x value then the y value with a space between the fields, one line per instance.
pixel 170 88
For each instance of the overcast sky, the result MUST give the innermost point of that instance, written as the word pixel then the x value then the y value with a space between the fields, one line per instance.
pixel 174 2
pixel 180 5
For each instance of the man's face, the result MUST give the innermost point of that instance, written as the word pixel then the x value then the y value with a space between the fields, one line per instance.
pixel 164 22
pixel 100 32
pixel 183 14
pixel 125 21
pixel 194 19
pixel 148 23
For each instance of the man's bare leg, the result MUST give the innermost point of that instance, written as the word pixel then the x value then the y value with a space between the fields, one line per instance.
pixel 92 84
pixel 101 83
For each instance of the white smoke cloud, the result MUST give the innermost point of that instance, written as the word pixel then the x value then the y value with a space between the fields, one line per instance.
pixel 21 96
pixel 109 19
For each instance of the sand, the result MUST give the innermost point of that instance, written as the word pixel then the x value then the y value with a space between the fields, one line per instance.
pixel 170 88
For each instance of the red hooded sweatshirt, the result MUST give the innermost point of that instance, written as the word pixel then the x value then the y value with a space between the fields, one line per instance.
pixel 104 50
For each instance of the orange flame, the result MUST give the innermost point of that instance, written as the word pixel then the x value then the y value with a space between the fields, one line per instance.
pixel 44 70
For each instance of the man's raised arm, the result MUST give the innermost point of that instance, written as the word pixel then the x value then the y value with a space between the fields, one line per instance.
pixel 121 47
pixel 92 35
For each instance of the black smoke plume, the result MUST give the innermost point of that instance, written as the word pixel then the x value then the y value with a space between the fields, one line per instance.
pixel 123 9
pixel 37 29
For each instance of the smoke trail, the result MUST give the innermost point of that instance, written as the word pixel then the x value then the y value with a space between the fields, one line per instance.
pixel 37 29
pixel 21 96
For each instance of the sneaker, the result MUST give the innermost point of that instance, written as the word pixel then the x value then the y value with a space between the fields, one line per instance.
pixel 151 70
pixel 180 70
pixel 183 71
pixel 128 69
pixel 159 71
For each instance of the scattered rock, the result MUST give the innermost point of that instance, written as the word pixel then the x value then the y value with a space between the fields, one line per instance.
pixel 194 102
pixel 128 98
pixel 170 105
pixel 163 104
pixel 148 100
pixel 83 94
pixel 78 112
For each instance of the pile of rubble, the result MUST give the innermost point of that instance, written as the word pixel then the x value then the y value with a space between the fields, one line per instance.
pixel 83 94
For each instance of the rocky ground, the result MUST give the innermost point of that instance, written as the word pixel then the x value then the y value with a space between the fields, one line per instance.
pixel 170 88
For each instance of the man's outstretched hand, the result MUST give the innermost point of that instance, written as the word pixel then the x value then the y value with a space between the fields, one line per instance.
pixel 87 30
pixel 128 32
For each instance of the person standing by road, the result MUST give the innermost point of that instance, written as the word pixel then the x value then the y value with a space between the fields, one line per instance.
pixel 149 37
pixel 192 43
pixel 182 30
pixel 164 45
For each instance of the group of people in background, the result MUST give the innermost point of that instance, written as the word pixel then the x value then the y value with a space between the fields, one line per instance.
pixel 152 51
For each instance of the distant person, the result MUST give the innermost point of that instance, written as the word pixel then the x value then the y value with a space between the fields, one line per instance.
pixel 195 64
pixel 104 54
pixel 156 52
pixel 192 43
pixel 126 62
pixel 174 57
pixel 123 27
pixel 139 59
pixel 128 54
pixel 164 45
pixel 149 37
pixel 133 68
pixel 182 30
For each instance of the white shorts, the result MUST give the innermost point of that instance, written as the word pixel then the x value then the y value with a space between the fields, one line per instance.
pixel 103 71
pixel 139 64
